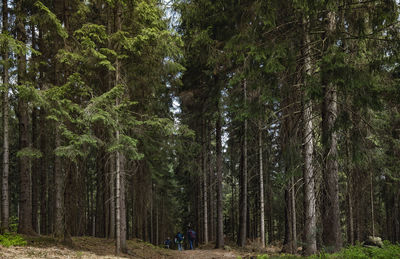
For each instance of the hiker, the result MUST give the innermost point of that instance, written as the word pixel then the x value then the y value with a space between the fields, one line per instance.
pixel 167 243
pixel 179 240
pixel 191 237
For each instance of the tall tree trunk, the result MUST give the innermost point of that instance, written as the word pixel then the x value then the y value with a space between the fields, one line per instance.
pixel 25 198
pixel 243 182
pixel 123 205
pixel 205 186
pixel 331 214
pixel 112 167
pixel 372 204
pixel 35 144
pixel 220 223
pixel 262 216
pixel 120 202
pixel 100 199
pixel 35 173
pixel 310 227
pixel 118 198
pixel 270 233
pixel 59 191
pixel 294 218
pixel 43 147
pixel 287 243
pixel 112 196
pixel 211 198
pixel 5 208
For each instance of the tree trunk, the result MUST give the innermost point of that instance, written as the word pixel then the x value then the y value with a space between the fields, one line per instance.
pixel 120 201
pixel 331 214
pixel 310 227
pixel 243 182
pixel 211 200
pixel 123 205
pixel 59 191
pixel 5 208
pixel 35 173
pixel 372 204
pixel 43 176
pixel 112 196
pixel 294 219
pixel 205 187
pixel 262 216
pixel 287 242
pixel 220 223
pixel 25 198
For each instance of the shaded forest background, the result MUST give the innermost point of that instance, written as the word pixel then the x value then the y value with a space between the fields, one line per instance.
pixel 248 120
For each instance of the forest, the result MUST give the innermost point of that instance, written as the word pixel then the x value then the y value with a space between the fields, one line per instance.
pixel 254 122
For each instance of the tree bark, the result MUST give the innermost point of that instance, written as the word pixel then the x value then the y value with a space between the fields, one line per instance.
pixel 123 205
pixel 25 198
pixel 220 223
pixel 59 191
pixel 5 208
pixel 310 227
pixel 205 187
pixel 261 172
pixel 112 196
pixel 120 202
pixel 331 215
pixel 294 218
pixel 243 182
pixel 118 198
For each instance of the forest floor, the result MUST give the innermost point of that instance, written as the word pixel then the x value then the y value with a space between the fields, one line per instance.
pixel 89 247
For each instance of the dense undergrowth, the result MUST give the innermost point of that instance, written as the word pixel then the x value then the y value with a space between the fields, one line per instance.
pixel 352 252
pixel 12 239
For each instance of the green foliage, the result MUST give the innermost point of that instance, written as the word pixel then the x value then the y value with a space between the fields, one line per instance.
pixel 352 252
pixel 360 252
pixel 9 43
pixel 50 18
pixel 11 239
pixel 13 224
pixel 29 152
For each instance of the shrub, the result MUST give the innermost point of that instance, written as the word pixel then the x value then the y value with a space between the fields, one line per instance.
pixel 8 239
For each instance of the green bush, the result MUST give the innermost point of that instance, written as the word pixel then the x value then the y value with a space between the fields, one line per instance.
pixel 8 239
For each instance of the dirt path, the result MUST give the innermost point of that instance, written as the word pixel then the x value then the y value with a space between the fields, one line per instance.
pixel 204 254
pixel 91 248
pixel 58 252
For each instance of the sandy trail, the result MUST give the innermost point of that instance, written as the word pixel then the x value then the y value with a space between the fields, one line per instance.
pixel 205 254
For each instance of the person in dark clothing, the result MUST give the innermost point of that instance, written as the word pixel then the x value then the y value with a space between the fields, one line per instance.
pixel 191 237
pixel 167 243
pixel 179 240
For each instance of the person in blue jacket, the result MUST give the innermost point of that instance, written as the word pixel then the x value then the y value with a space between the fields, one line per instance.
pixel 167 243
pixel 179 240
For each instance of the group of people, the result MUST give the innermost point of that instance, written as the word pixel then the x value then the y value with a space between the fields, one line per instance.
pixel 179 238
